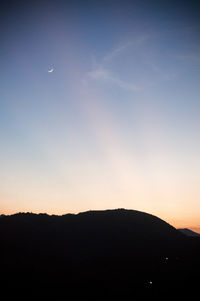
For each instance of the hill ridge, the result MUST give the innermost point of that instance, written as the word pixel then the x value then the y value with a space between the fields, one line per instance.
pixel 116 248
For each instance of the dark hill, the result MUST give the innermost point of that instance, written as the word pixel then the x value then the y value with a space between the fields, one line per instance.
pixel 116 250
pixel 189 232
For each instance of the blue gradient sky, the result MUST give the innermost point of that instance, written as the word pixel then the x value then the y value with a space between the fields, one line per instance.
pixel 117 122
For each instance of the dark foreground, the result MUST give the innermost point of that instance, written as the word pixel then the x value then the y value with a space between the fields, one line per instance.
pixel 114 251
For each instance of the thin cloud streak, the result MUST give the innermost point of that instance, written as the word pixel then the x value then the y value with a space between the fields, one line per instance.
pixel 101 71
pixel 106 75
pixel 118 50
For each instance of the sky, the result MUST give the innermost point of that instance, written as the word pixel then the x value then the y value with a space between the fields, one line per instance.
pixel 116 124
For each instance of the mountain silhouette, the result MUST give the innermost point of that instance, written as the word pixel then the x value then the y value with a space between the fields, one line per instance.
pixel 115 250
pixel 189 232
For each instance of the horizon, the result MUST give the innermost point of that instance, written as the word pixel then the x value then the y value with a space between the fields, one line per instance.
pixel 99 108
pixel 195 229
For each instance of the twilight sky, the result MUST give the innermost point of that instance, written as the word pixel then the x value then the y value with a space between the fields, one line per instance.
pixel 116 124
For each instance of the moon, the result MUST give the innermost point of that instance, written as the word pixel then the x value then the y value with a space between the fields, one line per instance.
pixel 51 70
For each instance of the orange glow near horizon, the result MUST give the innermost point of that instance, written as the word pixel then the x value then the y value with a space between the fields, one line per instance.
pixel 113 176
pixel 187 221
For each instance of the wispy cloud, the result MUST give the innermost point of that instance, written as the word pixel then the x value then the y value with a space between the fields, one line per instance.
pixel 118 50
pixel 102 69
pixel 106 75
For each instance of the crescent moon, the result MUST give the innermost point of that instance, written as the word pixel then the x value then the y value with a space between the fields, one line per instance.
pixel 51 70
